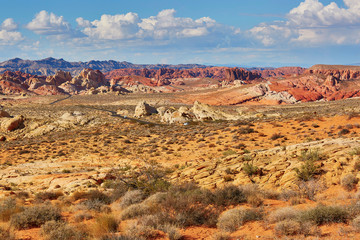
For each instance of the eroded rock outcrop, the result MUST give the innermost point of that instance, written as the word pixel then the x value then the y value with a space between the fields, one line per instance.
pixel 89 78
pixel 144 109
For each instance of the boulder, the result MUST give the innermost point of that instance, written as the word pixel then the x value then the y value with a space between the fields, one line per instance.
pixel 144 109
pixel 4 114
pixel 11 124
pixel 203 112
pixel 180 116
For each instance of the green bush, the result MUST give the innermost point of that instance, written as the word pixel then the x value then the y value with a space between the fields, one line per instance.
pixel 311 155
pixel 307 171
pixel 322 214
pixel 250 169
pixel 35 216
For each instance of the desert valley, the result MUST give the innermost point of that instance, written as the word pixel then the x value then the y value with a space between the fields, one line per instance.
pixel 114 150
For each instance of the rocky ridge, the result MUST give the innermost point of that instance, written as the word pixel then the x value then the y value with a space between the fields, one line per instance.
pixel 49 66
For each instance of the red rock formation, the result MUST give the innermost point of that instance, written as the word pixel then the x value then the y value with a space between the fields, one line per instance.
pixel 59 78
pixel 280 72
pixel 89 78
pixel 240 74
pixel 164 75
pixel 322 82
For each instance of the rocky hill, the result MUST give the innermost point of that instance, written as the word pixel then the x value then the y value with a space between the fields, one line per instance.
pixel 49 66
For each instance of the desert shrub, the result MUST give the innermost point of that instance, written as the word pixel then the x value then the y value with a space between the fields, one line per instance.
pixel 221 236
pixel 191 206
pixel 6 234
pixel 135 210
pixel 149 179
pixel 229 153
pixel 343 131
pixel 276 136
pixel 271 194
pixel 93 204
pixel 349 181
pixel 171 231
pixel 105 223
pixel 228 195
pixel 58 230
pixel 250 169
pixel 246 130
pixel 322 214
pixel 288 227
pixel 311 155
pixel 232 219
pixel 288 194
pixel 307 171
pixel 121 237
pixel 93 195
pixel 356 223
pixel 355 151
pixel 35 216
pixel 141 232
pixel 79 217
pixel 8 207
pixel 131 197
pixel 283 214
pixel 156 198
pixel 22 194
pixel 308 189
pixel 51 195
pixel 255 200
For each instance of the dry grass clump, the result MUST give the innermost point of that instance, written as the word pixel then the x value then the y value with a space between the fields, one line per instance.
pixel 228 195
pixel 356 223
pixel 172 231
pixel 58 230
pixel 35 216
pixel 232 219
pixel 92 196
pixel 105 223
pixel 349 181
pixel 81 216
pixel 131 197
pixel 8 207
pixel 136 210
pixel 6 234
pixel 288 227
pixel 283 214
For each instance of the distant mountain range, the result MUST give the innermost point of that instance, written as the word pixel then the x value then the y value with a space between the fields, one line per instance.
pixel 49 66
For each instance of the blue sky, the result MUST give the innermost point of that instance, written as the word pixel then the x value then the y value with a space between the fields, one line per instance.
pixel 236 32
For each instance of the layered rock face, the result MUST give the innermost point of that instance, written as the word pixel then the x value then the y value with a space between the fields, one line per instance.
pixel 60 83
pixel 161 76
pixel 337 71
pixel 322 82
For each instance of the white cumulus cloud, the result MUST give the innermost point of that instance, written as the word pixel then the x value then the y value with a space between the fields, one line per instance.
pixel 46 23
pixel 164 26
pixel 9 25
pixel 8 33
pixel 313 23
pixel 121 26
